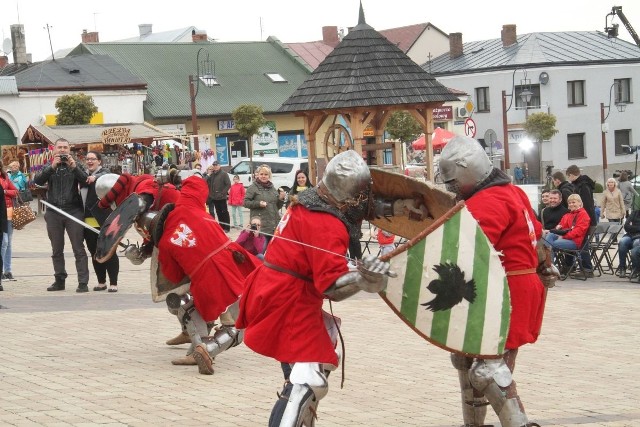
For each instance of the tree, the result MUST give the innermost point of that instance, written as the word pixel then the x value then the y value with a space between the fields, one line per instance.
pixel 541 127
pixel 249 119
pixel 76 109
pixel 403 126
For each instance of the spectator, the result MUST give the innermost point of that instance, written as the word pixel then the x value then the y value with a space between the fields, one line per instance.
pixel 571 231
pixel 300 184
pixel 544 196
pixel 630 240
pixel 628 192
pixel 551 215
pixel 219 185
pixel 584 186
pixel 19 179
pixel 612 205
pixel 518 174
pixel 385 241
pixel 264 200
pixel 95 216
pixel 565 187
pixel 63 178
pixel 635 262
pixel 236 200
pixel 3 221
pixel 251 239
pixel 10 193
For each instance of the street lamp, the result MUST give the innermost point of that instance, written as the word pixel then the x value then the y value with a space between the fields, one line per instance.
pixel 208 77
pixel 525 96
pixel 621 106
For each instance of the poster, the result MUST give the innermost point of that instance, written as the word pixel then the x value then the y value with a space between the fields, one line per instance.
pixel 266 141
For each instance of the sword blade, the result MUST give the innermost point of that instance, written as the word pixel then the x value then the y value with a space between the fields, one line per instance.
pixel 71 217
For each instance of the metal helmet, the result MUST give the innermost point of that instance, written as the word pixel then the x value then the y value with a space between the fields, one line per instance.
pixel 345 179
pixel 463 165
pixel 105 183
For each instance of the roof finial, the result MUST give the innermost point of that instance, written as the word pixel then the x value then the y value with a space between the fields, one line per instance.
pixel 361 16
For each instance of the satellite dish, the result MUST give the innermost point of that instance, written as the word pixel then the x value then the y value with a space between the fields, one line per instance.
pixel 42 119
pixel 7 46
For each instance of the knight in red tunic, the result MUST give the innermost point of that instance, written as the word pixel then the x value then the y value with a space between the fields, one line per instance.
pixel 281 307
pixel 193 244
pixel 505 215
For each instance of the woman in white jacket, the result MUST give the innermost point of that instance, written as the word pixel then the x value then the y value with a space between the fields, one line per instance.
pixel 612 205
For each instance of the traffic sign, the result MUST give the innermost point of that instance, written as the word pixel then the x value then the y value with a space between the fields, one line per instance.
pixel 470 128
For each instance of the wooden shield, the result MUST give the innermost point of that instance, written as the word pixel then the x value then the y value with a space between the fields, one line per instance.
pixel 390 185
pixel 160 285
pixel 451 287
pixel 116 226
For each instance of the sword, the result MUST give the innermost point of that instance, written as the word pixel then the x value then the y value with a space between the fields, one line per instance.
pixel 76 220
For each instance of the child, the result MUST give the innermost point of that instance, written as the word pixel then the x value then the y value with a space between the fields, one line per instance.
pixel 236 200
pixel 385 240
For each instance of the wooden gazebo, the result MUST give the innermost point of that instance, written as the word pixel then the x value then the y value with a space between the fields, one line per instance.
pixel 362 81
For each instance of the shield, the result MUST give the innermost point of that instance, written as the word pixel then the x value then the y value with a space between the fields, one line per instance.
pixel 451 287
pixel 390 185
pixel 160 285
pixel 117 225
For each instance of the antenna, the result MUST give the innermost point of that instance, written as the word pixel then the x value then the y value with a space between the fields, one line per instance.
pixel 261 28
pixel 50 45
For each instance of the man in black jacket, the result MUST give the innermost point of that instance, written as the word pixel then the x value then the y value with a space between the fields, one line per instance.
pixel 584 186
pixel 629 242
pixel 63 178
pixel 219 185
pixel 564 186
pixel 550 216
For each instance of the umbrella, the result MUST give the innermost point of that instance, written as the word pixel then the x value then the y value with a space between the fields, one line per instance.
pixel 439 139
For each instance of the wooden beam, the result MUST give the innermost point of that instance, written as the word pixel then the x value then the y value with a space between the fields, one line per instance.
pixel 374 147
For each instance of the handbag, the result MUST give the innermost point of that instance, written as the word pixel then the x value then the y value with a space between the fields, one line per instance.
pixel 25 195
pixel 22 215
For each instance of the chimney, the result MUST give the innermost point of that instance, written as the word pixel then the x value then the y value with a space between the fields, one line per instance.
pixel 19 44
pixel 330 36
pixel 91 37
pixel 199 36
pixel 4 61
pixel 455 45
pixel 144 29
pixel 509 35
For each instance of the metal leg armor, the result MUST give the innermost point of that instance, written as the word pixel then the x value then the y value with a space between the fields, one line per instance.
pixel 493 377
pixel 474 404
pixel 299 399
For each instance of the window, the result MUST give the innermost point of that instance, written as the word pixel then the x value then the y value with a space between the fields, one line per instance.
pixel 622 88
pixel 575 93
pixel 575 145
pixel 623 138
pixel 535 97
pixel 276 77
pixel 482 100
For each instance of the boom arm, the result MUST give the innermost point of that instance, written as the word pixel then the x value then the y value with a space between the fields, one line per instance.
pixel 612 31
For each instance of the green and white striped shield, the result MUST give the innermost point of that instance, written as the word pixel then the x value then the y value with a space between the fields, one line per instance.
pixel 463 307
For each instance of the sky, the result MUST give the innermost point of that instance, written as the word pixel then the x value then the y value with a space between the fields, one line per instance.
pixel 294 20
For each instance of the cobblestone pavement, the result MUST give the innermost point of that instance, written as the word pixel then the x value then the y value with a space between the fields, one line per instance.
pixel 100 359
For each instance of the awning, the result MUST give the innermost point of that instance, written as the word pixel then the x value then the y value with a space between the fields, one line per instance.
pixel 439 139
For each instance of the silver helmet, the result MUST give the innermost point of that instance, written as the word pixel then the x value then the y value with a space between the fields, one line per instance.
pixel 346 179
pixel 105 183
pixel 463 165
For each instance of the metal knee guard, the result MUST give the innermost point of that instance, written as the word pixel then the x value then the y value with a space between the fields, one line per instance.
pixel 474 404
pixel 192 322
pixel 493 378
pixel 223 339
pixel 308 386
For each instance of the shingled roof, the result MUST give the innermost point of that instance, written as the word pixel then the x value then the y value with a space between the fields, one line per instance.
pixel 366 69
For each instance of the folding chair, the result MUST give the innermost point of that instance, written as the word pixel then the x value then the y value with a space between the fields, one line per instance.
pixel 562 256
pixel 604 259
pixel 600 240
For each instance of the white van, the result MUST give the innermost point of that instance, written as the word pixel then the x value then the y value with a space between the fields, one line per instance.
pixel 283 170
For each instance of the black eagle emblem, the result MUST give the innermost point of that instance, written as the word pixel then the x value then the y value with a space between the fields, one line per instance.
pixel 450 288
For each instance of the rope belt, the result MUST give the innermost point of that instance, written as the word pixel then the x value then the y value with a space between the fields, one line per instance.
pixel 215 251
pixel 521 272
pixel 287 271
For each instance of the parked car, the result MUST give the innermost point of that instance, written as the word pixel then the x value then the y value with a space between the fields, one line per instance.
pixel 283 170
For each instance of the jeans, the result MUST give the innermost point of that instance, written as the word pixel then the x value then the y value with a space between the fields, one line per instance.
pixel 56 226
pixel 6 248
pixel 555 242
pixel 236 215
pixel 626 244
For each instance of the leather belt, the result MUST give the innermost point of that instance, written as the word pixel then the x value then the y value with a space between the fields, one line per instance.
pixel 521 272
pixel 287 271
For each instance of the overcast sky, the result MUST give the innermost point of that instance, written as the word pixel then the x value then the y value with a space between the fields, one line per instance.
pixel 293 20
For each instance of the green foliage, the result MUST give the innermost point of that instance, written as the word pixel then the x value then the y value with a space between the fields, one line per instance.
pixel 248 119
pixel 403 126
pixel 76 109
pixel 541 126
pixel 598 188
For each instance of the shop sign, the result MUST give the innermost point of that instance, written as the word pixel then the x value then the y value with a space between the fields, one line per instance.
pixel 442 113
pixel 119 135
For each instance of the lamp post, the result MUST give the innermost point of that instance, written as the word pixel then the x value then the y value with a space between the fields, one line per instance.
pixel 621 107
pixel 525 96
pixel 209 79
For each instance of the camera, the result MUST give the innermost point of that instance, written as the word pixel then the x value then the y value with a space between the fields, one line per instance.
pixel 253 227
pixel 64 157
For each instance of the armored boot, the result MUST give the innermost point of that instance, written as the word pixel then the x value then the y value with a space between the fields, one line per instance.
pixel 474 404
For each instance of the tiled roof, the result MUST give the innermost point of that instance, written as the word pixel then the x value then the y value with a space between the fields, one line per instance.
pixel 239 67
pixel 561 48
pixel 366 69
pixel 404 37
pixel 78 73
pixel 313 53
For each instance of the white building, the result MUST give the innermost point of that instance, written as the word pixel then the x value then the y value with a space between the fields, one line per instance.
pixel 580 77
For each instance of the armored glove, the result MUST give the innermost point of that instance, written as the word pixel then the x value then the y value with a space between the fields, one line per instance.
pixel 371 277
pixel 135 254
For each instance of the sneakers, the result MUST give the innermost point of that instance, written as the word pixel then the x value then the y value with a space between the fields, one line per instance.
pixel 82 287
pixel 8 276
pixel 621 272
pixel 56 286
pixel 634 274
pixel 588 273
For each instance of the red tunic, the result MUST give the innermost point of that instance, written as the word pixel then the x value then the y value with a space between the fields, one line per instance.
pixel 193 244
pixel 505 215
pixel 282 314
